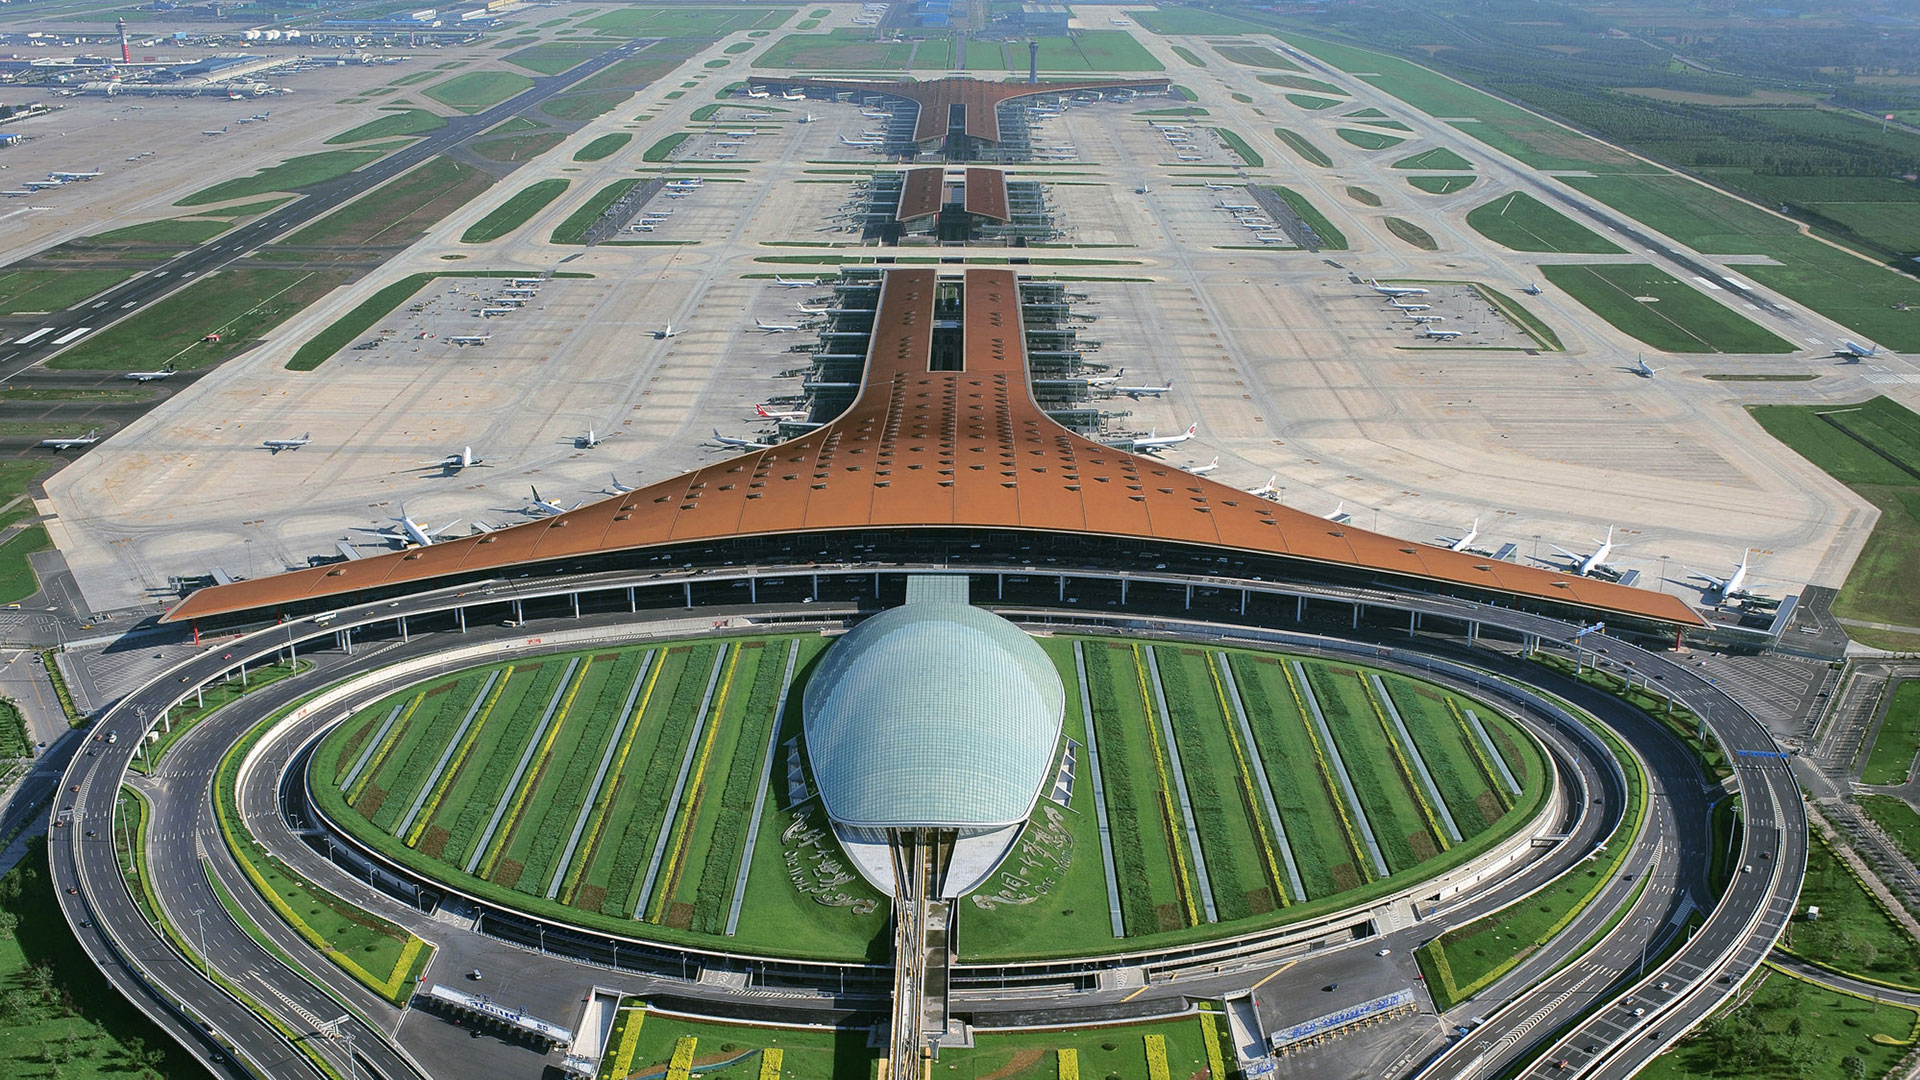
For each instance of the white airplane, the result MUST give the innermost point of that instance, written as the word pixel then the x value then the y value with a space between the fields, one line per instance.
pixel 1188 157
pixel 1106 380
pixel 1531 289
pixel 544 506
pixel 1585 565
pixel 41 185
pixel 807 119
pixel 767 414
pixel 1460 543
pixel 1138 392
pixel 864 144
pixel 1643 369
pixel 1422 320
pixel 1155 442
pixel 18 193
pixel 222 131
pixel 1202 470
pixel 1395 291
pixel 150 376
pixel 1339 516
pixel 1854 350
pixel 277 445
pixel 1442 335
pixel 57 445
pixel 1270 238
pixel 592 439
pixel 1411 307
pixel 662 335
pixel 758 92
pixel 775 328
pixel 1211 186
pixel 615 487
pixel 469 339
pixel 490 312
pixel 1733 586
pixel 1267 490
pixel 453 463
pixel 728 440
pixel 794 95
pixel 728 142
pixel 816 312
pixel 507 301
pixel 796 283
pixel 871 115
pixel 63 175
pixel 411 533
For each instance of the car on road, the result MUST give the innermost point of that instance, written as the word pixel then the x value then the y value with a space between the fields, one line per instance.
pixel 1384 952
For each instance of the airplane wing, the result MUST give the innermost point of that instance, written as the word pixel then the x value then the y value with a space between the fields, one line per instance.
pixel 1575 556
pixel 443 528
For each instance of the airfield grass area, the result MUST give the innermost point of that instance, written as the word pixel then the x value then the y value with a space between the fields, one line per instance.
pixel 1441 185
pixel 175 232
pixel 400 210
pixel 603 147
pixel 1362 196
pixel 1437 158
pixel 1854 933
pixel 1331 238
pixel 691 22
pixel 1647 303
pixel 515 212
pixel 646 1043
pixel 1084 52
pixel 292 174
pixel 614 789
pixel 1305 148
pixel 1368 140
pixel 1412 234
pixel 476 91
pixel 574 229
pixel 1240 146
pixel 1256 56
pixel 1311 102
pixel 1524 223
pixel 404 122
pixel 580 108
pixel 554 57
pixel 17 579
pixel 514 148
pixel 1890 759
pixel 353 324
pixel 239 305
pixel 1898 819
pixel 841 49
pixel 53 290
pixel 664 148
pixel 1874 448
pixel 1184 21
pixel 63 1017
pixel 1781 1027
pixel 1301 82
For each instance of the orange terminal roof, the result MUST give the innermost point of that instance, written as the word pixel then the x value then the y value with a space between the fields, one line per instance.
pixel 982 99
pixel 921 448
pixel 986 194
pixel 921 193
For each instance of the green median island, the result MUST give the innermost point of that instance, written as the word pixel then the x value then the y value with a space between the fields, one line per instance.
pixel 574 229
pixel 400 210
pixel 402 122
pixel 1437 158
pixel 292 174
pixel 603 147
pixel 1524 223
pixel 33 291
pixel 1647 303
pixel 1299 144
pixel 1441 185
pixel 1256 56
pixel 664 148
pixel 1890 759
pixel 515 212
pixel 616 789
pixel 206 322
pixel 1368 140
pixel 1331 238
pixel 554 57
pixel 475 91
pixel 1872 447
pixel 1782 1026
pixel 1855 934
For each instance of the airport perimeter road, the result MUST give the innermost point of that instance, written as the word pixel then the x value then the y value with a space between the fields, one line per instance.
pixel 67 328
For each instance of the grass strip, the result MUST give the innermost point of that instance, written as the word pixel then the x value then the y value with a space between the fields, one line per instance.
pixel 1240 146
pixel 515 212
pixel 354 323
pixel 574 229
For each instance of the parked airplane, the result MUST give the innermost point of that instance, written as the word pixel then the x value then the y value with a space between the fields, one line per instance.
pixel 411 533
pixel 1731 587
pixel 662 335
pixel 1267 490
pixel 1395 291
pixel 222 131
pixel 796 283
pixel 794 95
pixel 150 376
pixel 1339 516
pixel 1422 320
pixel 1106 380
pixel 864 144
pixel 1460 543
pixel 1211 186
pixel 63 175
pixel 277 445
pixel 1155 442
pixel 20 193
pixel 807 119
pixel 758 92
pixel 592 439
pixel 1643 369
pixel 41 185
pixel 1411 307
pixel 453 463
pixel 1531 289
pixel 1188 157
pixel 1202 470
pixel 728 440
pixel 544 506
pixel 57 445
pixel 775 328
pixel 792 414
pixel 1442 335
pixel 1855 351
pixel 616 487
pixel 1138 392
pixel 490 312
pixel 1586 565
pixel 469 339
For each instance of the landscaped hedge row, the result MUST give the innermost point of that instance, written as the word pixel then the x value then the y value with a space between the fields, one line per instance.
pixel 448 709
pixel 502 756
pixel 1225 866
pixel 714 893
pixel 560 808
pixel 1137 909
pixel 656 785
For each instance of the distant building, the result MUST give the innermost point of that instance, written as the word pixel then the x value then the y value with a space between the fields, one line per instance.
pixel 1044 20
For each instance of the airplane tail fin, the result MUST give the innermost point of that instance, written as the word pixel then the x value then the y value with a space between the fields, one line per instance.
pixel 1193 428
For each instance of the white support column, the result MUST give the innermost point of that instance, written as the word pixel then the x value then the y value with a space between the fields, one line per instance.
pixel 1356 616
pixel 633 606
pixel 1063 588
pixel 1123 592
pixel 575 597
pixel 1244 593
pixel 1300 608
pixel 753 589
pixel 1000 586
pixel 1189 598
pixel 688 586
pixel 518 615
pixel 462 614
pixel 403 630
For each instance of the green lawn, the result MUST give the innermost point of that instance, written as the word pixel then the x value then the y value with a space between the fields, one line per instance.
pixel 574 229
pixel 1309 101
pixel 1854 443
pixel 659 151
pixel 850 49
pixel 13 731
pixel 1854 933
pixel 1368 140
pixel 688 22
pixel 350 326
pixel 519 147
pixel 580 108
pixel 178 232
pixel 1362 196
pixel 1240 146
pixel 1300 145
pixel 1524 223
pixel 1437 158
pixel 292 174
pixel 401 209
pixel 17 579
pixel 1187 55
pixel 1441 185
pixel 1412 234
pixel 476 91
pixel 1898 819
pixel 63 1017
pixel 404 122
pixel 1256 56
pixel 1788 1028
pixel 515 212
pixel 239 305
pixel 554 57
pixel 1181 21
pixel 1331 238
pixel 1890 760
pixel 1653 306
pixel 603 147
pixel 1300 82
pixel 54 290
